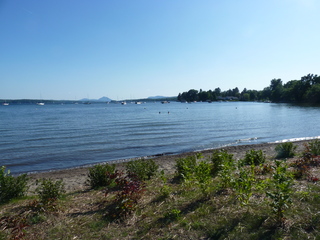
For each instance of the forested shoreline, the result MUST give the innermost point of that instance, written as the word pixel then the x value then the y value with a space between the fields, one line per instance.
pixel 305 90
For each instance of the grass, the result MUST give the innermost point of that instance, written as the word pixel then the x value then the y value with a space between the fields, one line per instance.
pixel 184 213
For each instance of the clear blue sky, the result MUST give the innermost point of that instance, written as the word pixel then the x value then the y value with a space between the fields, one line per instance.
pixel 71 49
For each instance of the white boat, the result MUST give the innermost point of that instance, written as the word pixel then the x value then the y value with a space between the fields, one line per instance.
pixel 138 102
pixel 5 104
pixel 123 103
pixel 40 103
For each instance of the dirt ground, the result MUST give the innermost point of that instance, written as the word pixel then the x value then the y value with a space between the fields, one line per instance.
pixel 75 179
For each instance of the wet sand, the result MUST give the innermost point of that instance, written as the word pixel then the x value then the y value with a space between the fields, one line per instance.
pixel 75 178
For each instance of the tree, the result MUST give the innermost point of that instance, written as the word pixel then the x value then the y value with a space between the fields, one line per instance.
pixel 235 92
pixel 217 91
pixel 265 94
pixel 276 90
pixel 253 95
pixel 192 95
pixel 305 90
pixel 203 96
pixel 245 97
pixel 292 91
pixel 313 94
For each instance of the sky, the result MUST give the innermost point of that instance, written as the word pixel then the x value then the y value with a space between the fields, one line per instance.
pixel 130 49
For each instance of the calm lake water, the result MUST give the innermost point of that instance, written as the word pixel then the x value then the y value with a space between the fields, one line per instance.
pixel 41 138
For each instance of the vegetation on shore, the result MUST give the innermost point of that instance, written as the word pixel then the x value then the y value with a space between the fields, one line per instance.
pixel 257 197
pixel 306 90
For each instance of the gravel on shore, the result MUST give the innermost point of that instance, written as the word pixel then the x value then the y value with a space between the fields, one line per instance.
pixel 75 179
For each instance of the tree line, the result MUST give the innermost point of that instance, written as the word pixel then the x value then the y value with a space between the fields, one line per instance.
pixel 305 90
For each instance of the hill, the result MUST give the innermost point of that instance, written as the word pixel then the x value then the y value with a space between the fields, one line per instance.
pixel 157 97
pixel 102 99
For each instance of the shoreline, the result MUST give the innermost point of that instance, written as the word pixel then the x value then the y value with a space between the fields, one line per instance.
pixel 75 178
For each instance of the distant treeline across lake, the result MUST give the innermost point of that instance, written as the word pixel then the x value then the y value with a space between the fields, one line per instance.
pixel 306 90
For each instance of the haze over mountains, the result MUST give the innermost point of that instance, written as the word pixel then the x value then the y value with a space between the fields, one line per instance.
pixel 157 97
pixel 102 99
pixel 106 99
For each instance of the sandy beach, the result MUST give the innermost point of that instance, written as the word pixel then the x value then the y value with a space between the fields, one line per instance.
pixel 75 178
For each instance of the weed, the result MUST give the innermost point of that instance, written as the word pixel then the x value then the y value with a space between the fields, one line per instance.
pixel 186 166
pixel 98 175
pixel 192 172
pixel 165 190
pixel 221 159
pixel 243 184
pixel 263 169
pixel 285 150
pixel 49 191
pixel 314 147
pixel 202 175
pixel 253 157
pixel 223 166
pixel 11 187
pixel 303 165
pixel 280 190
pixel 172 215
pixel 126 200
pixel 143 169
pixel 302 195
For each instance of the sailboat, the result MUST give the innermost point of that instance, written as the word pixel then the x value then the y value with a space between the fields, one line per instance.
pixel 5 103
pixel 40 103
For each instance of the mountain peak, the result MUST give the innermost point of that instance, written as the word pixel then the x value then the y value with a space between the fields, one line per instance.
pixel 102 99
pixel 157 97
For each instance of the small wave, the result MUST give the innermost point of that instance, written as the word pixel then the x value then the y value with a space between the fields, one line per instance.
pixel 247 139
pixel 239 141
pixel 297 139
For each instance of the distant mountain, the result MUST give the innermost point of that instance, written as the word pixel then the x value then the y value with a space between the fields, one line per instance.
pixel 103 99
pixel 157 97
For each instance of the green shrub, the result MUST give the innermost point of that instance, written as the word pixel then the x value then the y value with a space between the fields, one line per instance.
pixel 143 169
pixel 253 157
pixel 185 167
pixel 244 184
pixel 203 172
pixel 314 147
pixel 11 187
pixel 223 166
pixel 279 190
pixel 97 176
pixel 285 150
pixel 202 176
pixel 221 159
pixel 49 191
pixel 165 190
pixel 194 173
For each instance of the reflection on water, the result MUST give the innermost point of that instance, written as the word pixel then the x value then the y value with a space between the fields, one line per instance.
pixel 37 138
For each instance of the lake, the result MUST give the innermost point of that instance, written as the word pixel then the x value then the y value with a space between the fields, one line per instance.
pixel 41 138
